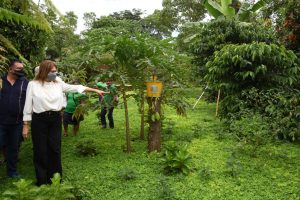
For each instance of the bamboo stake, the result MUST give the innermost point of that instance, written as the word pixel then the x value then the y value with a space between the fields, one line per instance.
pixel 200 97
pixel 218 99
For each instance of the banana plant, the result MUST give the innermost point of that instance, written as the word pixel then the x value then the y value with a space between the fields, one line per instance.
pixel 231 9
pixel 216 10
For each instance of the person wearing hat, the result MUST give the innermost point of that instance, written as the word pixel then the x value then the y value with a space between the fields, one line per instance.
pixel 13 86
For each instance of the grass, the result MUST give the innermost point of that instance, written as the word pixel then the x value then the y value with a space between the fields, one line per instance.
pixel 273 174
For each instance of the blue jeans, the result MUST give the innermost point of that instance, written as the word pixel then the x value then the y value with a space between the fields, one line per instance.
pixel 10 135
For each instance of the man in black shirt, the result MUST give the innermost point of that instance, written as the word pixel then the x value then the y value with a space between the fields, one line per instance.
pixel 13 87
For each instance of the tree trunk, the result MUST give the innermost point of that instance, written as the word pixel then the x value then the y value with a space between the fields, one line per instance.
pixel 128 138
pixel 154 134
pixel 142 128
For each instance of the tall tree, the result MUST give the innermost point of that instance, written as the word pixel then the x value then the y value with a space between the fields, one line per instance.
pixel 63 37
pixel 134 15
pixel 89 18
pixel 135 58
pixel 185 11
pixel 161 23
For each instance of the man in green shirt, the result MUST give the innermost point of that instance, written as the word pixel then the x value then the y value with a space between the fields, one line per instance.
pixel 108 102
pixel 73 100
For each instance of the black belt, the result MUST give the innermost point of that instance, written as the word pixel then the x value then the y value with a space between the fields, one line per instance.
pixel 47 113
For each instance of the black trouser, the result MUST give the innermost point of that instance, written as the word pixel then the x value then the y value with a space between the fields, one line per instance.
pixel 10 139
pixel 46 139
pixel 109 116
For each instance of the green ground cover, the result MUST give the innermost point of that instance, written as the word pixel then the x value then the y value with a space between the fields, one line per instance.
pixel 221 168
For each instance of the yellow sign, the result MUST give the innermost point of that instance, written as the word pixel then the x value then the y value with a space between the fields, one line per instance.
pixel 154 88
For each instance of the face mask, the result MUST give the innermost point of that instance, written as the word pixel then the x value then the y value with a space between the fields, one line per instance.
pixel 19 73
pixel 52 76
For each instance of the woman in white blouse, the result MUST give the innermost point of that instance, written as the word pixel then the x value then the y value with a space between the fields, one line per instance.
pixel 44 101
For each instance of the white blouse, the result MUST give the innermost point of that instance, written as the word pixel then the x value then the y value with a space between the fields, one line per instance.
pixel 46 97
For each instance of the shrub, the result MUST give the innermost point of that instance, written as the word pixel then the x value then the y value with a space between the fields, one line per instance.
pixel 279 108
pixel 233 165
pixel 239 67
pixel 176 159
pixel 25 190
pixel 127 174
pixel 258 77
pixel 203 39
pixel 87 148
pixel 251 129
pixel 283 110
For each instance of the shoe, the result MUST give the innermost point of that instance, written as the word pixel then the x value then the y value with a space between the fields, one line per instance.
pixel 15 175
pixel 103 126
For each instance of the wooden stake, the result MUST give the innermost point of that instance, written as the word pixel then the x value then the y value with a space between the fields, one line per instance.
pixel 218 99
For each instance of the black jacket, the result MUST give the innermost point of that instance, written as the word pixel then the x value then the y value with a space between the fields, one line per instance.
pixel 12 100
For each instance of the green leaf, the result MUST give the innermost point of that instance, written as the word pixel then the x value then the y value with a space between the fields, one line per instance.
pixel 226 9
pixel 213 8
pixel 258 5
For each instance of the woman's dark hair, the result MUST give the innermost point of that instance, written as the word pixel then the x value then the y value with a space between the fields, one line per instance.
pixel 44 69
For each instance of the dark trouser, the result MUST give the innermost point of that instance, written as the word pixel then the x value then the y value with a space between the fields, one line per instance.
pixel 109 116
pixel 10 138
pixel 46 139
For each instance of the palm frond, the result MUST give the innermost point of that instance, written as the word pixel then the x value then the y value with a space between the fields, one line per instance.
pixel 3 61
pixel 38 14
pixel 52 7
pixel 23 19
pixel 9 46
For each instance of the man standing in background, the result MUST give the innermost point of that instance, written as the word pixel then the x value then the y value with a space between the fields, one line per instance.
pixel 12 99
pixel 109 101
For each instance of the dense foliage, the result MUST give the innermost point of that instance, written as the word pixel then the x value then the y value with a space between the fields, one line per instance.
pixel 261 78
pixel 203 39
pixel 24 31
pixel 291 26
pixel 285 15
pixel 176 159
pixel 238 67
pixel 251 64
pixel 23 189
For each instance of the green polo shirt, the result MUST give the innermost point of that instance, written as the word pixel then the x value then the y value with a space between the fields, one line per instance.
pixel 73 100
pixel 108 99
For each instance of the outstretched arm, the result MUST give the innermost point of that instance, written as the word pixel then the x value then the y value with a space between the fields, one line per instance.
pixel 100 92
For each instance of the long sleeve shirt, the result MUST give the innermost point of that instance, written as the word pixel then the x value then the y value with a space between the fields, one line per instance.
pixel 12 99
pixel 46 97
